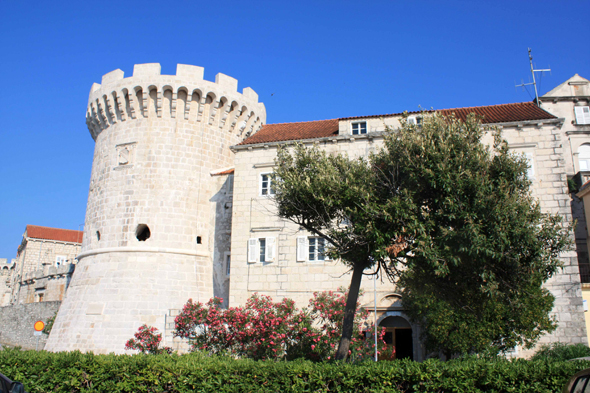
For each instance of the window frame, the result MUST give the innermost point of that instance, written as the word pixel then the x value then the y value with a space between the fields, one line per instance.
pixel 415 120
pixel 581 156
pixel 360 128
pixel 227 262
pixel 582 115
pixel 269 190
pixel 302 249
pixel 262 249
pixel 316 255
pixel 61 260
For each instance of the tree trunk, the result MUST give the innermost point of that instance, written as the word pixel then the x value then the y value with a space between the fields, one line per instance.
pixel 349 311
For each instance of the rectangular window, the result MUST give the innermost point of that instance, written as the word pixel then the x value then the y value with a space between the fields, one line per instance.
pixel 227 264
pixel 262 244
pixel 316 249
pixel 311 248
pixel 359 128
pixel 416 120
pixel 60 260
pixel 582 114
pixel 266 184
pixel 261 250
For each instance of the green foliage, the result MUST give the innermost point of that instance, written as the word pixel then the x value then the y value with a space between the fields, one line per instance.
pixel 449 217
pixel 478 246
pixel 331 196
pixel 561 351
pixel 147 340
pixel 74 372
pixel 263 329
pixel 49 324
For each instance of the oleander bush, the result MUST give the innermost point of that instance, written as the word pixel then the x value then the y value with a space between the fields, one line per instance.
pixel 263 329
pixel 561 351
pixel 76 372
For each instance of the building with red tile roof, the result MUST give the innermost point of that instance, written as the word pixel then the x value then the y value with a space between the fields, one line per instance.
pixel 211 229
pixel 47 233
pixel 43 266
pixel 491 114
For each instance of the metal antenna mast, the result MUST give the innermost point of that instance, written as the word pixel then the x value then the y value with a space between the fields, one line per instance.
pixel 534 83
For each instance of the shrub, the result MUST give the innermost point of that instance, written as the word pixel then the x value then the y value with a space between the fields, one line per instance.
pixel 147 340
pixel 74 372
pixel 263 329
pixel 49 324
pixel 561 351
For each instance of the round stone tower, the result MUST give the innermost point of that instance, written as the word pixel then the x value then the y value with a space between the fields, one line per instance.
pixel 149 236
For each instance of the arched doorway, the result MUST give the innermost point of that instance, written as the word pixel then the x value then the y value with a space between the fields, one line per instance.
pixel 398 332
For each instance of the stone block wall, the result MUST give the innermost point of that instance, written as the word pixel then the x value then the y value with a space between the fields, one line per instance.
pixel 151 239
pixel 16 323
pixel 254 217
pixel 49 284
pixel 39 254
pixel 5 286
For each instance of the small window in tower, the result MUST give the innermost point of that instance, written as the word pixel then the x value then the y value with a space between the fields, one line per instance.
pixel 199 240
pixel 142 233
pixel 98 235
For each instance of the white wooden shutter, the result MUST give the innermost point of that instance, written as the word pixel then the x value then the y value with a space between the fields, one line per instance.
pixel 582 114
pixel 253 250
pixel 270 249
pixel 302 248
pixel 531 161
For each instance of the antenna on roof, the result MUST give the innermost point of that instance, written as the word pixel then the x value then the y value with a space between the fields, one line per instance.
pixel 534 83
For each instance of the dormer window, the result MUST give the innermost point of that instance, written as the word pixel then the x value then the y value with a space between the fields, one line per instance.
pixel 415 120
pixel 359 128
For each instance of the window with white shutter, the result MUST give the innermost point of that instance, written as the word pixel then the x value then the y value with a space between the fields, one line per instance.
pixel 252 250
pixel 270 249
pixel 301 248
pixel 582 114
pixel 531 161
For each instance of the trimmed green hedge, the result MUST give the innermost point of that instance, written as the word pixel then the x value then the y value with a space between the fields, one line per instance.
pixel 77 372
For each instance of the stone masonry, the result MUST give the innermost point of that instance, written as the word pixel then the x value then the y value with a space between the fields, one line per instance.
pixel 180 207
pixel 150 240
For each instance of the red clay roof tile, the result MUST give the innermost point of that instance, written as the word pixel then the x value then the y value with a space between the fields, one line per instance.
pixel 64 235
pixel 293 131
pixel 503 113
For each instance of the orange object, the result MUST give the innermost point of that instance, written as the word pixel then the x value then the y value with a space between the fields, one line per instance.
pixel 39 325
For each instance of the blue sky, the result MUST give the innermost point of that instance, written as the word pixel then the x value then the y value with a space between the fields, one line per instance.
pixel 307 60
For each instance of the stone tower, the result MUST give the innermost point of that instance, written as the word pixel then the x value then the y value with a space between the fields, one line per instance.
pixel 150 239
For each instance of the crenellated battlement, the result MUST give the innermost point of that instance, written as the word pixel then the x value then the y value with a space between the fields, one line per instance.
pixel 6 268
pixel 185 96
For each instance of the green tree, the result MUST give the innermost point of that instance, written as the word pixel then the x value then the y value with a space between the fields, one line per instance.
pixel 479 247
pixel 447 217
pixel 335 197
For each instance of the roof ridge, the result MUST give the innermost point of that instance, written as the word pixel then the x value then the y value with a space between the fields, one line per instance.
pixel 61 229
pixel 297 122
pixel 486 106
